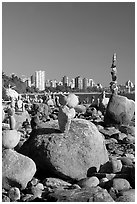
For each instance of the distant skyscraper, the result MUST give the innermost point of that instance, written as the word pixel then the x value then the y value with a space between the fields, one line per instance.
pixel 32 80
pixel 85 83
pixel 79 82
pixel 40 80
pixel 28 82
pixel 91 82
pixel 65 81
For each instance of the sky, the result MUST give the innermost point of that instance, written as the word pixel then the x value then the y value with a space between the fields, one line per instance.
pixel 69 38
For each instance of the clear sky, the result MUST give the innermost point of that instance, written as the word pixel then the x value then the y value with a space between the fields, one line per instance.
pixel 69 38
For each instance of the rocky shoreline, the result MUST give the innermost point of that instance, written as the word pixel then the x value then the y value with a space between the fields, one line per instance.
pixel 93 162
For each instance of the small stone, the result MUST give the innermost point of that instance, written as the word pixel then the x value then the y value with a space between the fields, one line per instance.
pixel 120 184
pixel 88 182
pixel 14 194
pixel 5 198
pixel 126 161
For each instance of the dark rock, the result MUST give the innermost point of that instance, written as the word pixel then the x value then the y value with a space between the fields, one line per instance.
pixel 127 129
pixel 112 166
pixel 17 170
pixel 67 155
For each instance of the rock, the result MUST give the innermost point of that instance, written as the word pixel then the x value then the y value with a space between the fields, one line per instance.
pixel 64 118
pixel 62 99
pixel 109 132
pixel 33 182
pixel 127 129
pixel 80 109
pixel 79 195
pixel 5 198
pixel 10 138
pixel 20 117
pixel 14 194
pixel 72 100
pixel 37 190
pixel 102 196
pixel 126 196
pixel 120 184
pixel 120 110
pixel 129 139
pixel 17 169
pixel 55 183
pixel 69 155
pixel 88 182
pixel 119 136
pixel 27 198
pixel 112 166
pixel 126 161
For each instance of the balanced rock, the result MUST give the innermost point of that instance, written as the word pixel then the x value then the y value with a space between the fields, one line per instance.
pixel 120 110
pixel 69 155
pixel 17 169
pixel 64 117
pixel 10 138
pixel 72 100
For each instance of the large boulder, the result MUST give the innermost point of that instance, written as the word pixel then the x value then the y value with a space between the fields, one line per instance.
pixel 120 110
pixel 17 169
pixel 68 155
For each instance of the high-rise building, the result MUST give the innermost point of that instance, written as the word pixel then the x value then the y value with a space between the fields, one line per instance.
pixel 85 83
pixel 91 82
pixel 79 82
pixel 28 82
pixel 32 80
pixel 72 83
pixel 40 80
pixel 65 81
pixel 53 83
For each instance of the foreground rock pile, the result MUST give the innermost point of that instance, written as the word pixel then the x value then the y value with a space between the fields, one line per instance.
pixel 92 162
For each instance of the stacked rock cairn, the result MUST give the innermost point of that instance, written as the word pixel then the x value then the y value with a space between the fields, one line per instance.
pixel 66 111
pixel 113 83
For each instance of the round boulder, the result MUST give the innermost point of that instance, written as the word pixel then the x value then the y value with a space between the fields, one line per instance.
pixel 67 154
pixel 17 169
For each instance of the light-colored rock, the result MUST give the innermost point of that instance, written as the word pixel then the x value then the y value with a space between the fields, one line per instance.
pixel 120 184
pixel 72 100
pixel 70 155
pixel 10 138
pixel 17 169
pixel 64 118
pixel 88 182
pixel 55 183
pixel 80 109
pixel 120 110
pixel 14 194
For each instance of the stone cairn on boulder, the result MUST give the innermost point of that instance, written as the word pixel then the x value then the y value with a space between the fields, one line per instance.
pixel 120 109
pixel 66 111
pixel 17 169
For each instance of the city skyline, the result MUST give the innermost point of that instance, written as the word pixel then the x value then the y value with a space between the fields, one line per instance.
pixel 69 39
